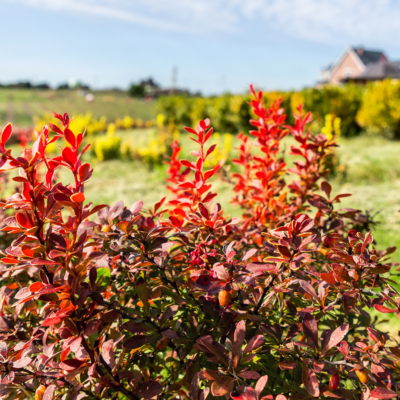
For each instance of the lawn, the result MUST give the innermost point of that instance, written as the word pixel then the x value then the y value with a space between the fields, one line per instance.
pixel 19 106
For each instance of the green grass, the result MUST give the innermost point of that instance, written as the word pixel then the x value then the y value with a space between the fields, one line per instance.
pixel 19 106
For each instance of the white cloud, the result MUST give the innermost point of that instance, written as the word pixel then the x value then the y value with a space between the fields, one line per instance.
pixel 368 22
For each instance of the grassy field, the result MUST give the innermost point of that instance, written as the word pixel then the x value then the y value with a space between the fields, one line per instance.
pixel 19 106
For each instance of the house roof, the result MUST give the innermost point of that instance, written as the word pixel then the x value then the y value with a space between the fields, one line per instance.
pixel 380 70
pixel 369 56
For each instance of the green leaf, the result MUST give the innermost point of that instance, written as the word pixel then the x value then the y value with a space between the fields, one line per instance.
pixel 103 275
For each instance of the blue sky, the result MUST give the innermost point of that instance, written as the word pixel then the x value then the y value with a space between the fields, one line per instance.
pixel 217 45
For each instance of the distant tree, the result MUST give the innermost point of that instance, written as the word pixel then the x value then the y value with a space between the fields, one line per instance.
pixel 137 90
pixel 42 86
pixel 62 86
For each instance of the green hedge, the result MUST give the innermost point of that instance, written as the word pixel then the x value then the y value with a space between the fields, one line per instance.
pixel 230 113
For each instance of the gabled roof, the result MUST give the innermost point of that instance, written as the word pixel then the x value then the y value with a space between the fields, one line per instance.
pixel 369 56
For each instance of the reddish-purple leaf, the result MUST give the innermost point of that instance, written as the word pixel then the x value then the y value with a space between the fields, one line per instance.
pixel 249 375
pixel 249 254
pixel 310 381
pixel 327 188
pixel 383 393
pixel 136 207
pixel 287 365
pixel 260 385
pixel 239 336
pixel 254 342
pixel 149 389
pixel 383 309
pixel 220 387
pixel 337 336
pixel 310 328
pixel 307 287
pixel 49 392
pixel 71 364
pixel 135 342
pixel 107 352
pixel 22 362
pixel 368 239
pixel 209 374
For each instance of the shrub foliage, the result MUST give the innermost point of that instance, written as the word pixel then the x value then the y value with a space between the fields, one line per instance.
pixel 230 113
pixel 182 301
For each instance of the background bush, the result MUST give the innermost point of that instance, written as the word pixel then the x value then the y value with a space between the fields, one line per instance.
pixel 374 108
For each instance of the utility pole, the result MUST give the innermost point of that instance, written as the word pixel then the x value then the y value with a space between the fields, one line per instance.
pixel 174 78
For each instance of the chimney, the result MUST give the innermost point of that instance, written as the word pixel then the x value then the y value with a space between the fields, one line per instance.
pixel 360 51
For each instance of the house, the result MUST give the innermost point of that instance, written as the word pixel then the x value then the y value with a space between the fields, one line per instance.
pixel 360 65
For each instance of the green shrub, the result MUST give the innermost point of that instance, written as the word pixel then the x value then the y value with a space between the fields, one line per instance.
pixel 230 113
pixel 340 101
pixel 380 111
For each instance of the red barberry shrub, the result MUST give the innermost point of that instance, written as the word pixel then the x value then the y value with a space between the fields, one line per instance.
pixel 183 301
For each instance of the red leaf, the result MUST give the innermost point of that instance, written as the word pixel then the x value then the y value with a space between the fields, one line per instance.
pixel 239 336
pixel 383 309
pixel 337 336
pixel 55 129
pixel 210 150
pixel 49 393
pixel 327 188
pixel 310 328
pixel 136 207
pixel 65 353
pixel 383 393
pixel 84 172
pixel 22 362
pixel 148 390
pixel 71 364
pixel 107 352
pixel 51 321
pixel 209 374
pixel 23 220
pixel 5 135
pixel 307 287
pixel 190 130
pixel 92 326
pixel 249 375
pixel 287 365
pixel 249 254
pixel 69 156
pixel 310 381
pixel 70 137
pixel 221 386
pixel 76 344
pixel 35 287
pixel 260 385
pixel 368 239
pixel 135 342
pixel 78 197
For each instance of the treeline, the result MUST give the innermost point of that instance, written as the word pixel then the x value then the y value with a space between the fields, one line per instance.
pixel 374 108
pixel 42 86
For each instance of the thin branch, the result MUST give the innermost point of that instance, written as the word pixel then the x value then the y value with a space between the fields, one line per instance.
pixel 265 291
